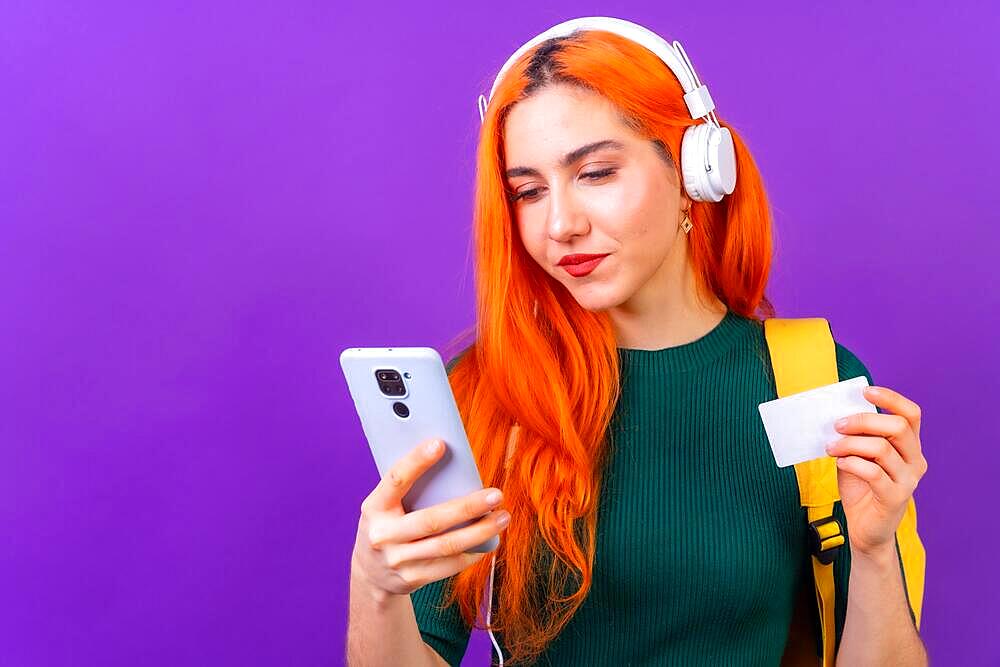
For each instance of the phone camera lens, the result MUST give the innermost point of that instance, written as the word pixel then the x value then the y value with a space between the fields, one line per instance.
pixel 389 382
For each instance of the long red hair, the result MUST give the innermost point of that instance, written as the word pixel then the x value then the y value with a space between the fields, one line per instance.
pixel 542 388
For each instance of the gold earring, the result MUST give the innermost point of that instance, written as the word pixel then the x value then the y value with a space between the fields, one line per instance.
pixel 686 223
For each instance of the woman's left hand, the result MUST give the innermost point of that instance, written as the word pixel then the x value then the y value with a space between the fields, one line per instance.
pixel 879 463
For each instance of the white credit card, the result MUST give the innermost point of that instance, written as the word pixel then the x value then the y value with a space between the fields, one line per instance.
pixel 800 426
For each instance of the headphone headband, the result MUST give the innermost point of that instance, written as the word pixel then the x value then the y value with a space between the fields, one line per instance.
pixel 707 152
pixel 696 95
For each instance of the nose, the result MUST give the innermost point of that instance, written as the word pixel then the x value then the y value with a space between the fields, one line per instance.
pixel 567 217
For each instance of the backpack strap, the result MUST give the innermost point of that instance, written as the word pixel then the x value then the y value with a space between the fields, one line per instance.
pixel 803 357
pixel 913 558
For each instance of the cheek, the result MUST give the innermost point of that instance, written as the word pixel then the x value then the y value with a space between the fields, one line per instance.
pixel 533 239
pixel 641 222
pixel 644 231
pixel 655 208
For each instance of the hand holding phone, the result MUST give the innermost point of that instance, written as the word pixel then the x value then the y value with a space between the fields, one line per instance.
pixel 399 552
pixel 428 508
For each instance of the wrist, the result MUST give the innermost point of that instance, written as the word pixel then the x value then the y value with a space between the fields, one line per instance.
pixel 364 587
pixel 882 557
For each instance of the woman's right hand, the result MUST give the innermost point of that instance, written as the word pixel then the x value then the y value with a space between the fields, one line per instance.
pixel 398 552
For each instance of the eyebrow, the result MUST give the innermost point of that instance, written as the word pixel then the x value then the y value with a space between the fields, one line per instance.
pixel 570 157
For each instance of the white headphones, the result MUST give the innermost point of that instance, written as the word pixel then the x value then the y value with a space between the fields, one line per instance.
pixel 708 158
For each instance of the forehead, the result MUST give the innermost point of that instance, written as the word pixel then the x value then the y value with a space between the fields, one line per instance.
pixel 558 119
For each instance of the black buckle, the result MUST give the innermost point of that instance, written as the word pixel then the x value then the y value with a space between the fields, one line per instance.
pixel 828 555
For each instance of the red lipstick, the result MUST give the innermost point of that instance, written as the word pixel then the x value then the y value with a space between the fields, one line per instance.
pixel 580 265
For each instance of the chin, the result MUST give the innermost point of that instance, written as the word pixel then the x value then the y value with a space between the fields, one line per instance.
pixel 596 298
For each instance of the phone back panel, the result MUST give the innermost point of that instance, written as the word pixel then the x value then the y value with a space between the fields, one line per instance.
pixel 433 413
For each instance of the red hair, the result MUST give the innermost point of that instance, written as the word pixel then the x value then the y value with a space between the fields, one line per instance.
pixel 547 385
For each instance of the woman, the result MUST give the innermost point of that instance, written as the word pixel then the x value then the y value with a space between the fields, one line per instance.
pixel 614 405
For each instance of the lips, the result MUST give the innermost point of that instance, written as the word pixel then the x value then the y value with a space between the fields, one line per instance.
pixel 578 259
pixel 583 268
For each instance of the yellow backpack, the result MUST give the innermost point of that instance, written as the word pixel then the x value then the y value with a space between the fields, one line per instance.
pixel 803 357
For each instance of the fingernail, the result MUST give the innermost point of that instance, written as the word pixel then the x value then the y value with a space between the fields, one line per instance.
pixel 433 447
pixel 841 423
pixel 872 391
pixel 829 446
pixel 503 518
pixel 493 497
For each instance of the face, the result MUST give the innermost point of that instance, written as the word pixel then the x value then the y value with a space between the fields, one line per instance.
pixel 620 199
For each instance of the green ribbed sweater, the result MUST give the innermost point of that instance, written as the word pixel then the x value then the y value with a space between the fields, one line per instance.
pixel 701 541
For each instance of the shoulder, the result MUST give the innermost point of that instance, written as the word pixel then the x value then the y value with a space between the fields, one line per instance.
pixel 849 365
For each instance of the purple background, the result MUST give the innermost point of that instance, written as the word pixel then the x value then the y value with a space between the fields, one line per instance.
pixel 201 205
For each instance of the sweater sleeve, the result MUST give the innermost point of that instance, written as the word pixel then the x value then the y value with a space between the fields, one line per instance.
pixel 849 366
pixel 444 630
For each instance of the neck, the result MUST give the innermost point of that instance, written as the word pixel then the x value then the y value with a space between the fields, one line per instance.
pixel 668 310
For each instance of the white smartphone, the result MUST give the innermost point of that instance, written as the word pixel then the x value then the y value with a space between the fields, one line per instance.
pixel 402 397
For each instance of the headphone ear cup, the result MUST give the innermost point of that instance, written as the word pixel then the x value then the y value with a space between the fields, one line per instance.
pixel 723 155
pixel 693 148
pixel 703 142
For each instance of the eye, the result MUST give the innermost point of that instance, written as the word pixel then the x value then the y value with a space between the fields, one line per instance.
pixel 594 175
pixel 529 195
pixel 524 194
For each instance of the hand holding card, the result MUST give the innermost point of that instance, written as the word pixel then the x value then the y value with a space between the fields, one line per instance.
pixel 801 425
